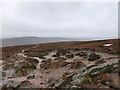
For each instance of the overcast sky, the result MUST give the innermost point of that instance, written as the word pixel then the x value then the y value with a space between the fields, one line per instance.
pixel 60 19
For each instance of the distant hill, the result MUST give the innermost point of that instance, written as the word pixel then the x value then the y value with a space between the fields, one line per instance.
pixel 31 40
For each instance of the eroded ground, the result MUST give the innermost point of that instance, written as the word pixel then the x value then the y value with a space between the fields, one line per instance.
pixel 67 65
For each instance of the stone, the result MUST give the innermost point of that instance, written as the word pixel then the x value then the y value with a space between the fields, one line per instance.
pixel 60 58
pixel 89 86
pixel 7 87
pixel 77 64
pixel 25 84
pixel 10 85
pixel 13 83
pixel 99 62
pixel 78 81
pixel 52 83
pixel 31 77
pixel 64 81
pixel 81 54
pixel 98 70
pixel 54 56
pixel 59 82
pixel 70 56
pixel 74 87
pixel 93 57
pixel 26 66
pixel 61 52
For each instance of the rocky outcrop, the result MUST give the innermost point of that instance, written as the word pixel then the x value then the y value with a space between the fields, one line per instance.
pixel 93 57
pixel 61 52
pixel 81 54
pixel 31 77
pixel 77 64
pixel 26 66
pixel 10 85
pixel 60 58
pixel 25 84
pixel 84 79
pixel 69 56
pixel 45 64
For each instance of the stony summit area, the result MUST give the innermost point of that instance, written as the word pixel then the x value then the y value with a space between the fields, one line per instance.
pixel 86 64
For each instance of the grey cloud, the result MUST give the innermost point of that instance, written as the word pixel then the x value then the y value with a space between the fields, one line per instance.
pixel 61 20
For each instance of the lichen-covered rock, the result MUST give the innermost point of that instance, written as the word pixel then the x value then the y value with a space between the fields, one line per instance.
pixel 45 64
pixel 64 81
pixel 60 58
pixel 93 57
pixel 25 84
pixel 13 83
pixel 59 82
pixel 26 66
pixel 81 54
pixel 75 87
pixel 77 64
pixel 78 81
pixel 31 77
pixel 99 61
pixel 63 64
pixel 61 52
pixel 7 87
pixel 70 56
pixel 54 56
pixel 10 85
pixel 89 86
pixel 98 70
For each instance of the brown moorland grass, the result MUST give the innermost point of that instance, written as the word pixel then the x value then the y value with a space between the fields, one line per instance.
pixel 43 49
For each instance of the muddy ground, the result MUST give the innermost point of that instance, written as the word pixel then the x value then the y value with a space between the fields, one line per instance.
pixel 86 65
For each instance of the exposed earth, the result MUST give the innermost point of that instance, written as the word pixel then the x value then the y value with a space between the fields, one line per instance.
pixel 89 64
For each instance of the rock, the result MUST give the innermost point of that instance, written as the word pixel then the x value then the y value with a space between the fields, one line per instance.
pixel 99 62
pixel 98 70
pixel 25 84
pixel 8 87
pixel 9 73
pixel 63 64
pixel 60 58
pixel 103 68
pixel 61 52
pixel 105 77
pixel 54 56
pixel 52 83
pixel 59 82
pixel 104 86
pixel 45 64
pixel 77 49
pixel 91 77
pixel 78 81
pixel 115 80
pixel 70 56
pixel 64 81
pixel 81 54
pixel 93 57
pixel 74 87
pixel 77 64
pixel 31 77
pixel 13 83
pixel 26 66
pixel 89 86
